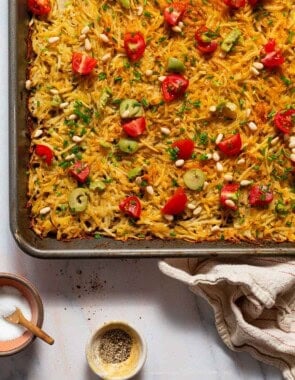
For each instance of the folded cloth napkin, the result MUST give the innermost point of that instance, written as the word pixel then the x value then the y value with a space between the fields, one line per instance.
pixel 253 301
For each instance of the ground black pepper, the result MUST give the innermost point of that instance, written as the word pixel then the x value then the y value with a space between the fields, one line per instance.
pixel 115 346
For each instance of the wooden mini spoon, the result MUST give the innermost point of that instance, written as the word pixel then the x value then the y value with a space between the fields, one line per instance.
pixel 18 318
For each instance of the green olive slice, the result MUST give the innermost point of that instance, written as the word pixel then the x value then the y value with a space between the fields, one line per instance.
pixel 130 108
pixel 128 146
pixel 194 179
pixel 175 65
pixel 133 173
pixel 78 200
pixel 125 3
pixel 97 185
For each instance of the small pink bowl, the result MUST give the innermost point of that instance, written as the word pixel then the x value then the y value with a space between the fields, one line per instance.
pixel 31 294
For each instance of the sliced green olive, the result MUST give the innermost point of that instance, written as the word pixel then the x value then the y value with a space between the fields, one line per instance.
pixel 133 173
pixel 78 200
pixel 230 40
pixel 105 144
pixel 194 179
pixel 125 3
pixel 104 98
pixel 230 110
pixel 128 146
pixel 131 108
pixel 175 65
pixel 97 185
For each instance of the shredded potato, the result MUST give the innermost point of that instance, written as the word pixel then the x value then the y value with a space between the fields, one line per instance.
pixel 213 81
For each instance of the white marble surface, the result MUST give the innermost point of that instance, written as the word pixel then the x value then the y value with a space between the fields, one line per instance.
pixel 80 295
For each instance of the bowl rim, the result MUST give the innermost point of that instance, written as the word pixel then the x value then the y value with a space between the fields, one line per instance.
pixel 40 308
pixel 108 326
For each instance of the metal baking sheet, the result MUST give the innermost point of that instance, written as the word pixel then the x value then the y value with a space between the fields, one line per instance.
pixel 86 248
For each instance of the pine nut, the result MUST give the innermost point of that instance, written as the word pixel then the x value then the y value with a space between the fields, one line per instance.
pixel 215 228
pixel 150 190
pixel 63 105
pixel 252 126
pixel 219 167
pixel 245 182
pixel 72 117
pixel 148 73
pixel 205 185
pixel 292 157
pixel 54 91
pixel 212 109
pixel 85 30
pixel 292 142
pixel 228 177
pixel 209 156
pixel 87 44
pixel 165 131
pixel 52 40
pixel 106 57
pixel 248 112
pixel 181 24
pixel 139 10
pixel 179 163
pixel 177 120
pixel 162 78
pixel 197 211
pixel 254 71
pixel 38 133
pixel 219 138
pixel 168 217
pixel 138 180
pixel 70 157
pixel 230 203
pixel 216 156
pixel 103 37
pixel 82 37
pixel 176 29
pixel 28 84
pixel 258 65
pixel 191 206
pixel 77 139
pixel 31 22
pixel 274 140
pixel 293 150
pixel 45 210
pixel 241 161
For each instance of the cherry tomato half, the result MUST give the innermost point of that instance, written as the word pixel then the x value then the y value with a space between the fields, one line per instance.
pixel 260 195
pixel 39 7
pixel 176 204
pixel 204 40
pixel 231 146
pixel 236 4
pixel 185 148
pixel 134 45
pixel 135 127
pixel 80 171
pixel 45 153
pixel 285 120
pixel 131 206
pixel 272 56
pixel 253 2
pixel 230 192
pixel 82 63
pixel 174 86
pixel 174 12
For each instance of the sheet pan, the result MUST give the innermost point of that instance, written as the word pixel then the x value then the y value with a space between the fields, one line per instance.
pixel 87 248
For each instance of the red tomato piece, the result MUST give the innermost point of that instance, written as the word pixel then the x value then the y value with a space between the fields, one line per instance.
pixel 134 45
pixel 131 206
pixel 285 120
pixel 236 4
pixel 231 146
pixel 174 86
pixel 204 42
pixel 174 13
pixel 80 171
pixel 230 192
pixel 272 56
pixel 176 204
pixel 253 2
pixel 39 7
pixel 45 153
pixel 82 63
pixel 260 195
pixel 185 148
pixel 135 127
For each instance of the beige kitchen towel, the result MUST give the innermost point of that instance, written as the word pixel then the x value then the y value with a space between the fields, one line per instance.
pixel 253 301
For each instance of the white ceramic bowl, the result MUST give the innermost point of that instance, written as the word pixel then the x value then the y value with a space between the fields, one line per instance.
pixel 117 371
